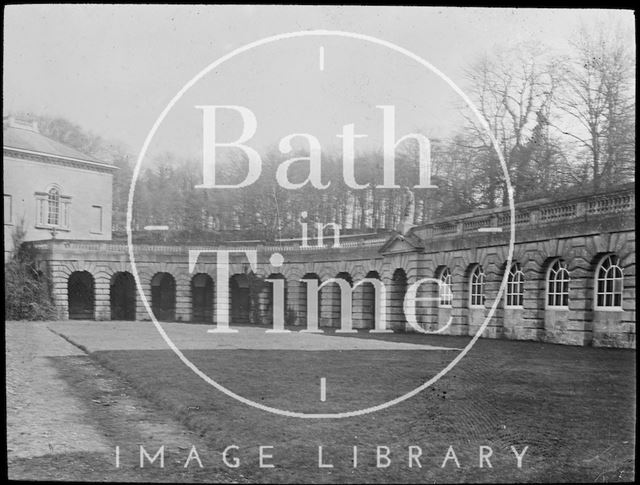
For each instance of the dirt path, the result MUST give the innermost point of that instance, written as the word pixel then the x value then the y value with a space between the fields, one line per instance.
pixel 66 415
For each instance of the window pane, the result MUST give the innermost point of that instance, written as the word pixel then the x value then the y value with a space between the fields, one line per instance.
pixel 617 300
pixel 618 285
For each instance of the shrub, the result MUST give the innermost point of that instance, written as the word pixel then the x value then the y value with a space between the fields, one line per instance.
pixel 27 293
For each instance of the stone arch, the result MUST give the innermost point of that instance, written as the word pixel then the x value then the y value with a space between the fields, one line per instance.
pixel 122 296
pixel 514 291
pixel 81 295
pixel 163 296
pixel 549 266
pixel 202 290
pixel 326 270
pixel 608 283
pixel 474 273
pixel 558 248
pixel 293 272
pixel 444 274
pixel 357 272
pixel 396 292
pixel 520 253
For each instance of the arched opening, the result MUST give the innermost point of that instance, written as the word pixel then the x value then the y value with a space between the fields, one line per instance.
pixel 395 300
pixel 163 297
pixel 122 296
pixel 557 284
pixel 609 283
pixel 80 293
pixel 240 298
pixel 444 291
pixel 514 296
pixel 202 298
pixel 364 303
pixel 477 278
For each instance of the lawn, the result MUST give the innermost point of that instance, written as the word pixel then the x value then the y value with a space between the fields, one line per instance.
pixel 573 407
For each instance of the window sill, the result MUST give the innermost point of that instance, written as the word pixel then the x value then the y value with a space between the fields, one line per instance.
pixel 558 308
pixel 51 228
pixel 608 309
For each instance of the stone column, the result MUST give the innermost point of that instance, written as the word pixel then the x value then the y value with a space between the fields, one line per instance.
pixel 396 291
pixel 459 304
pixel 102 297
pixel 581 306
pixel 141 312
pixel 330 306
pixel 532 323
pixel 265 308
pixel 221 304
pixel 59 281
pixel 183 298
pixel 493 280
pixel 296 302
pixel 364 306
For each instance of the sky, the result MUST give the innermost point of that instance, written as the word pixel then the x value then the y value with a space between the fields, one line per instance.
pixel 113 69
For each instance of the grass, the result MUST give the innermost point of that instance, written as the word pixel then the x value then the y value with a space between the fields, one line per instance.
pixel 573 407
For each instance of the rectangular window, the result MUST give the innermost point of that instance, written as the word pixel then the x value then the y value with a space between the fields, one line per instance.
pixel 96 219
pixel 8 209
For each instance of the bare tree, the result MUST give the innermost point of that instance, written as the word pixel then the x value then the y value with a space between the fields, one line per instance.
pixel 514 92
pixel 599 102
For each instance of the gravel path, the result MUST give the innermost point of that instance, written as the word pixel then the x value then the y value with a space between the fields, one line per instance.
pixel 66 414
pixel 43 417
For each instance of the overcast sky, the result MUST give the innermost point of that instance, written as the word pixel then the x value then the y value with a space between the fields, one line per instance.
pixel 113 69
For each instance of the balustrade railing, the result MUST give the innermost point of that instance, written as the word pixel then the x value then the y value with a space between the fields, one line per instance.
pixel 528 213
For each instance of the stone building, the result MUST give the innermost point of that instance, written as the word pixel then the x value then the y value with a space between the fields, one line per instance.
pixel 571 279
pixel 52 189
